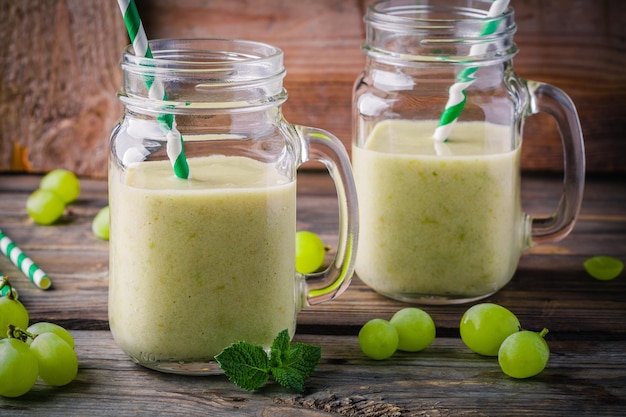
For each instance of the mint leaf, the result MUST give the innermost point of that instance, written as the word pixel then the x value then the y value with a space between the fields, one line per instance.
pixel 289 378
pixel 280 346
pixel 297 363
pixel 249 366
pixel 245 364
pixel 306 357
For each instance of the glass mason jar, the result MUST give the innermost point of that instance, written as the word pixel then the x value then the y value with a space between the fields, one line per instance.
pixel 199 263
pixel 438 115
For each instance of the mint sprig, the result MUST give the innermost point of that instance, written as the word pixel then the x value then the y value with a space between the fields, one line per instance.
pixel 249 367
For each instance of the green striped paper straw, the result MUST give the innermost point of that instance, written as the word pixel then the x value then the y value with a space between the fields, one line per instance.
pixel 23 262
pixel 4 290
pixel 138 38
pixel 456 94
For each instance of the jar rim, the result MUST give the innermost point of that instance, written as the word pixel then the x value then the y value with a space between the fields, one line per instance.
pixel 408 14
pixel 213 74
pixel 234 61
pixel 438 31
pixel 181 52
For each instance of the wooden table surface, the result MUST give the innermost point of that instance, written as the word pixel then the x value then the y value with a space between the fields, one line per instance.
pixel 586 374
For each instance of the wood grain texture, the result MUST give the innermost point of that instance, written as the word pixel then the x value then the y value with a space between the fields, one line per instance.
pixel 58 83
pixel 585 376
pixel 443 380
pixel 57 96
pixel 577 45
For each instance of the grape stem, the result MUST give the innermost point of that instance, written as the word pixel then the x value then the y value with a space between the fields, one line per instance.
pixel 543 333
pixel 14 332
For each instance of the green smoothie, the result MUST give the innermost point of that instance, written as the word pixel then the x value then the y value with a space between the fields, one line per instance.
pixel 439 221
pixel 198 264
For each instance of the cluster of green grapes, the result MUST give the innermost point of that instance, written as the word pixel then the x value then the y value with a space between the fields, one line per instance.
pixel 410 329
pixel 492 330
pixel 488 329
pixel 43 350
pixel 57 189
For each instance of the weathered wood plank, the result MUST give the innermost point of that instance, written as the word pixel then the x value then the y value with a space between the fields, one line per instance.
pixel 585 376
pixel 444 379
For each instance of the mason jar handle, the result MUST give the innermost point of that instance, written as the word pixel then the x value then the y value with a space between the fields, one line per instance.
pixel 322 146
pixel 545 98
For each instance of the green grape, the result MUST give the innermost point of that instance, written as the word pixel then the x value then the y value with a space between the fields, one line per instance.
pixel 63 183
pixel 44 206
pixel 19 368
pixel 378 339
pixel 310 252
pixel 524 354
pixel 58 364
pixel 12 312
pixel 415 327
pixel 100 224
pixel 603 268
pixel 45 327
pixel 485 326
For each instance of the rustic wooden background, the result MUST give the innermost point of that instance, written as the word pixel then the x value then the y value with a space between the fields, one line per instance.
pixel 59 70
pixel 59 74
